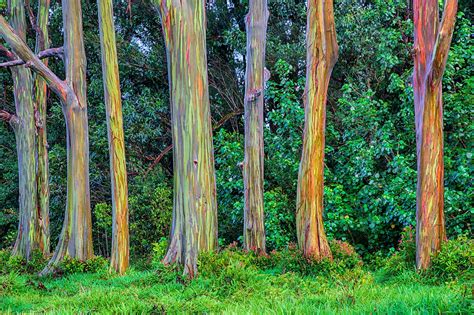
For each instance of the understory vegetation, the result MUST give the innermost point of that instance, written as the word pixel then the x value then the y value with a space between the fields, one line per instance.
pixel 233 281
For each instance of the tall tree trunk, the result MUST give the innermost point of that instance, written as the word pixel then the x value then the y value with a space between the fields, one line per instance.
pixel 42 172
pixel 254 227
pixel 113 105
pixel 28 238
pixel 194 226
pixel 431 49
pixel 322 53
pixel 76 235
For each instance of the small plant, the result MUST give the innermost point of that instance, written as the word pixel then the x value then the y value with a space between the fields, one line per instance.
pixel 159 252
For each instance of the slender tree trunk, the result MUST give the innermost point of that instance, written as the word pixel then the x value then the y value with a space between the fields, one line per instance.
pixel 254 219
pixel 42 172
pixel 322 52
pixel 431 49
pixel 28 238
pixel 194 226
pixel 113 105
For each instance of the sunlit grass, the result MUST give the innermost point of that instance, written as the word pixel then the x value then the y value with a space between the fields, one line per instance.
pixel 249 292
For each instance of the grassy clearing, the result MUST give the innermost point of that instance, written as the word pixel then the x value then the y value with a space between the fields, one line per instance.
pixel 245 291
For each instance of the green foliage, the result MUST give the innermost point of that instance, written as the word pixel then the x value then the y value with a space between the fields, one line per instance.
pixel 455 260
pixel 69 265
pixel 279 219
pixel 18 264
pixel 404 258
pixel 150 206
pixel 159 251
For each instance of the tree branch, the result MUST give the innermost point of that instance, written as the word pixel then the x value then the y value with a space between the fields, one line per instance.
pixel 443 41
pixel 19 47
pixel 47 53
pixel 8 117
pixel 8 54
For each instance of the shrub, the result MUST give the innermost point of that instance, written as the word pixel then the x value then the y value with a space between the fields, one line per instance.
pixel 454 260
pixel 344 255
pixel 9 263
pixel 70 265
pixel 404 258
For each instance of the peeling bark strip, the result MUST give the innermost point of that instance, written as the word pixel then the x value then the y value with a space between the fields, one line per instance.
pixel 42 169
pixel 256 25
pixel 432 42
pixel 194 226
pixel 29 232
pixel 113 104
pixel 322 53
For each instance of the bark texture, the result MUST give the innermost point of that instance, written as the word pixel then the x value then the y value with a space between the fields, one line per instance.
pixel 194 226
pixel 76 235
pixel 254 219
pixel 432 42
pixel 113 104
pixel 322 53
pixel 42 169
pixel 28 237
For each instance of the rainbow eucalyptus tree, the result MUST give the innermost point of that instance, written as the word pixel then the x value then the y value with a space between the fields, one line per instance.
pixel 42 171
pixel 113 104
pixel 432 42
pixel 76 236
pixel 194 226
pixel 256 24
pixel 33 226
pixel 322 53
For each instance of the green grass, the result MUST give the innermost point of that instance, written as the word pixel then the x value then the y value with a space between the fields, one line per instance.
pixel 236 291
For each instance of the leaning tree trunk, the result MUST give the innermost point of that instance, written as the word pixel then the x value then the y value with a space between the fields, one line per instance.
pixel 254 228
pixel 113 105
pixel 194 226
pixel 431 49
pixel 28 238
pixel 42 172
pixel 322 52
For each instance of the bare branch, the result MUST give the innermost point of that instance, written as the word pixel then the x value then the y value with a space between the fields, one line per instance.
pixel 47 53
pixel 9 118
pixel 8 54
pixel 22 50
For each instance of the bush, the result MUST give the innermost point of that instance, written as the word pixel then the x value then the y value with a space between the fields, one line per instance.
pixel 404 258
pixel 9 263
pixel 70 265
pixel 454 260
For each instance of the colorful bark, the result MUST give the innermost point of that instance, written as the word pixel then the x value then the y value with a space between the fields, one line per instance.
pixel 322 52
pixel 432 43
pixel 75 239
pixel 113 104
pixel 42 171
pixel 194 226
pixel 28 237
pixel 254 228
